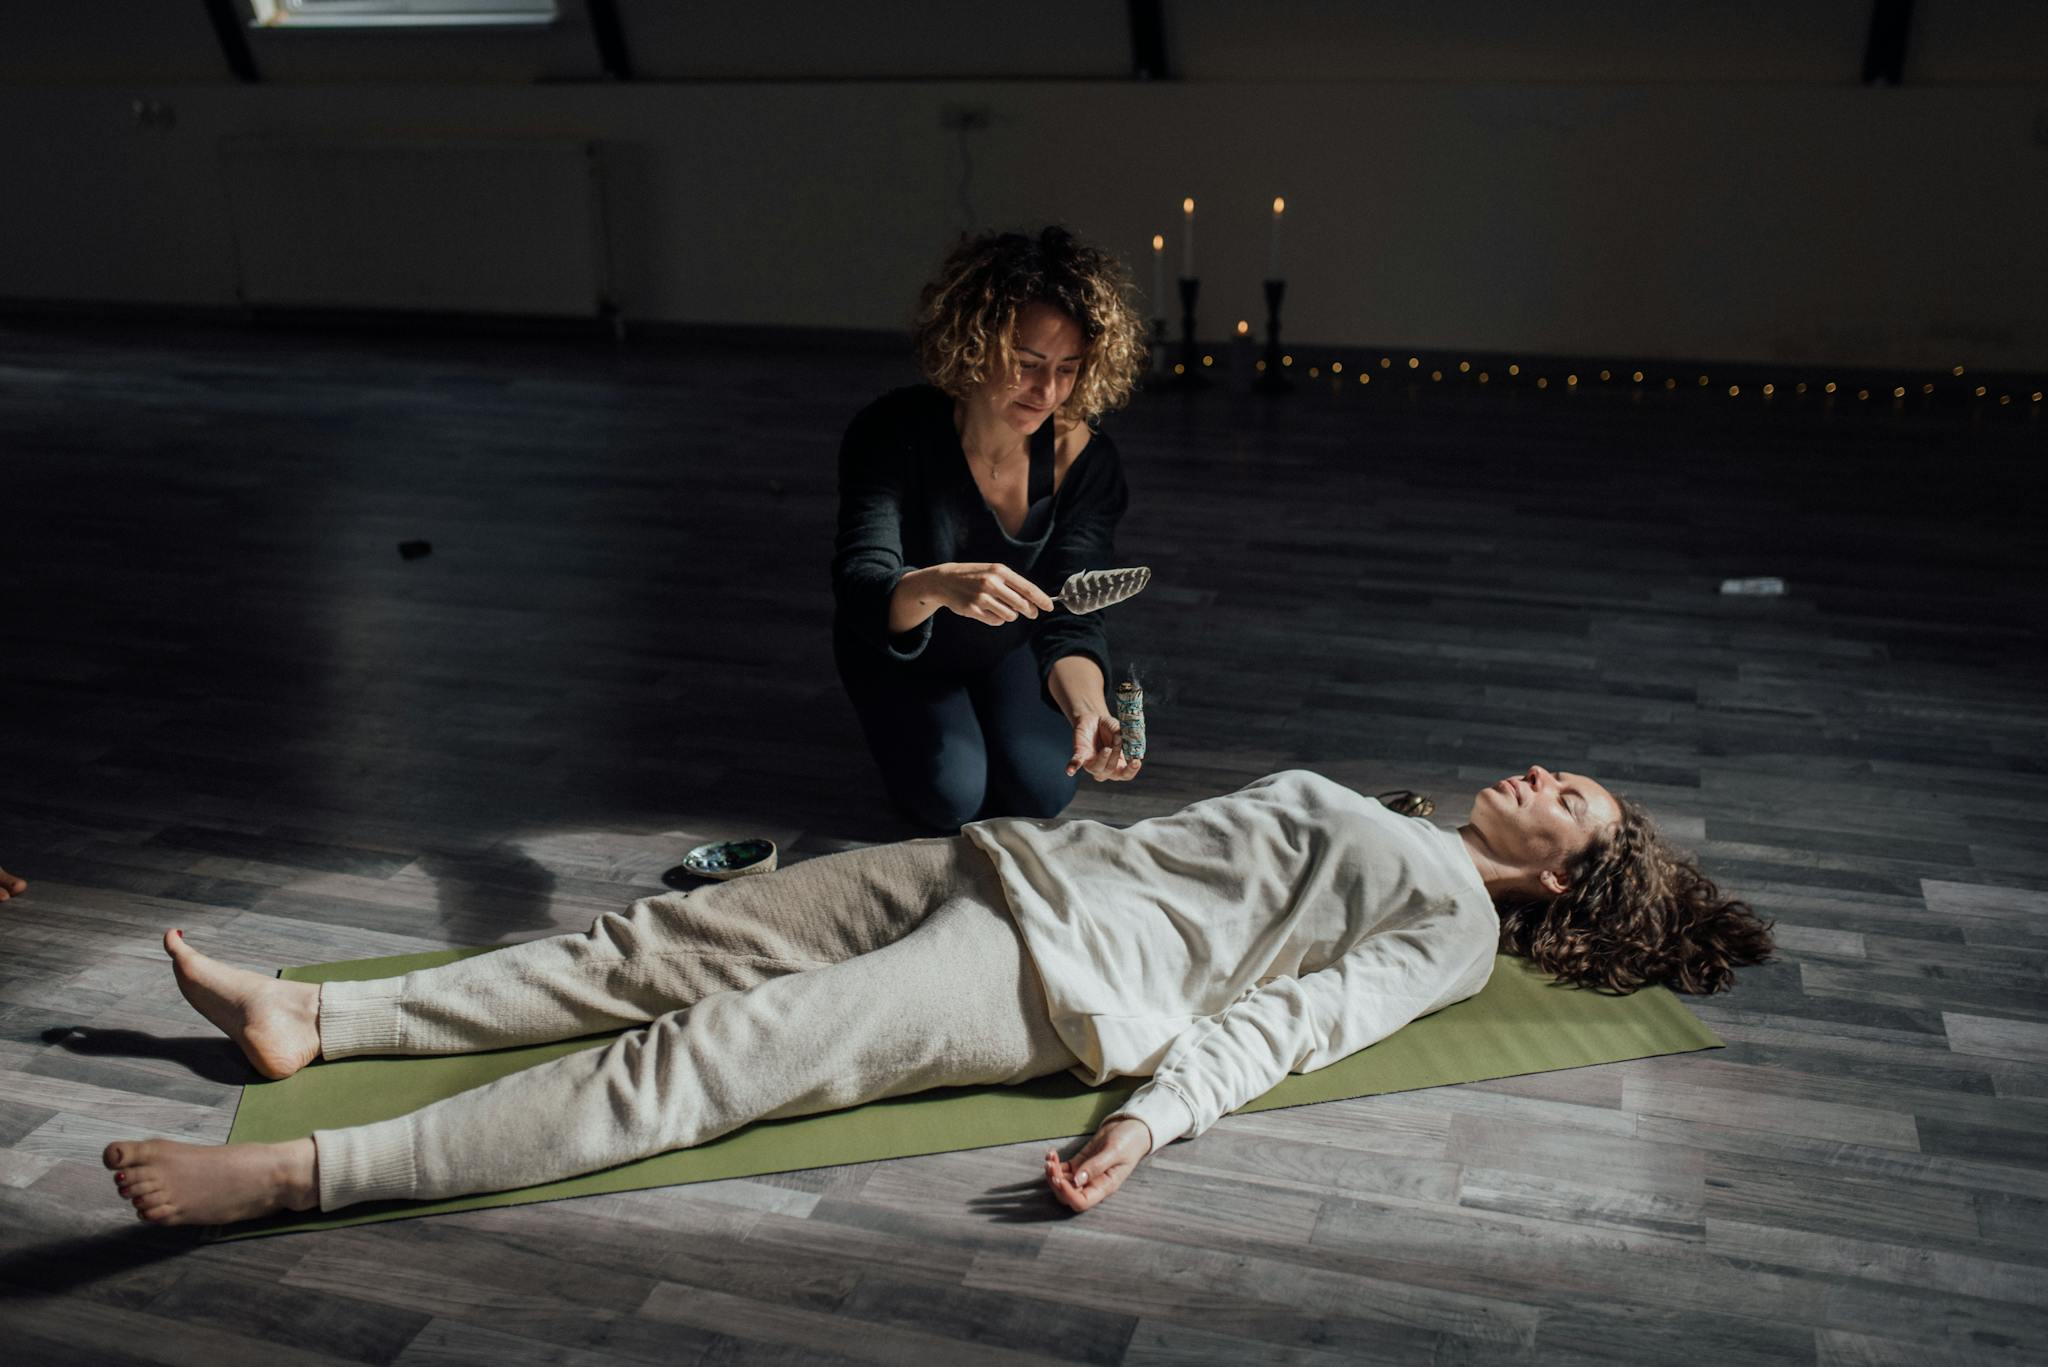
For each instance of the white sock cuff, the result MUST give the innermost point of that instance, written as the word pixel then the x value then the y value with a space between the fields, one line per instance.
pixel 360 1018
pixel 366 1163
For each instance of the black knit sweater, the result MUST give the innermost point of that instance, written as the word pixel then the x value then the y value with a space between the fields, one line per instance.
pixel 907 499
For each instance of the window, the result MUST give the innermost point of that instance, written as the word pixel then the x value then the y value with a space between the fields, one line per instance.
pixel 401 13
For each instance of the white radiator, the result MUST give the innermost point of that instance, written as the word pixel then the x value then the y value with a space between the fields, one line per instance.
pixel 511 227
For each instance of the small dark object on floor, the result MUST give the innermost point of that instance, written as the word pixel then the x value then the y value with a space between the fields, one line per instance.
pixel 413 550
pixel 1402 802
pixel 723 859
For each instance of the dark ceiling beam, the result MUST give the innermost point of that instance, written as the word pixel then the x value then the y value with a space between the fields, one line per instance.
pixel 1148 40
pixel 1884 56
pixel 231 31
pixel 611 39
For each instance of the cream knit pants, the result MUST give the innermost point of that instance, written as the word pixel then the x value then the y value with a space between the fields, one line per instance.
pixel 838 981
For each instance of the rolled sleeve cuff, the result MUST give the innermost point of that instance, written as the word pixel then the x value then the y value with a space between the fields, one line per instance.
pixel 1165 1113
pixel 908 645
pixel 1087 650
pixel 864 613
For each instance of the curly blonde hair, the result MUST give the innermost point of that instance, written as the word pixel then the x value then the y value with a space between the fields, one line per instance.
pixel 1636 910
pixel 967 315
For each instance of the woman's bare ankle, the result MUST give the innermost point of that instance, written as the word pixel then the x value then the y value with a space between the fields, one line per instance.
pixel 273 1021
pixel 298 1179
pixel 311 1009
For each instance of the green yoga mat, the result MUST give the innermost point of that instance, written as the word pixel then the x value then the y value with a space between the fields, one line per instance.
pixel 1521 1023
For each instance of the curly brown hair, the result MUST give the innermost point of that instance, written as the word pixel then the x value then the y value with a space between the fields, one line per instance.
pixel 1636 910
pixel 967 315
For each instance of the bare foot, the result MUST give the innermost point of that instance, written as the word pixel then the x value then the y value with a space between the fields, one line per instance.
pixel 11 885
pixel 212 1184
pixel 276 1023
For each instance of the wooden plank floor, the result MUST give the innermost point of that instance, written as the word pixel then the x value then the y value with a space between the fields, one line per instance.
pixel 227 704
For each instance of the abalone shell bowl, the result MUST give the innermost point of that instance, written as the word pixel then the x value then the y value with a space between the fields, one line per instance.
pixel 723 859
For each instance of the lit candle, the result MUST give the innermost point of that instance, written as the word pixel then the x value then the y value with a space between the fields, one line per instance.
pixel 1243 366
pixel 1273 248
pixel 1187 242
pixel 1158 275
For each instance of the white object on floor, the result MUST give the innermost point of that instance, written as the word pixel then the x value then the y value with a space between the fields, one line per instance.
pixel 1766 587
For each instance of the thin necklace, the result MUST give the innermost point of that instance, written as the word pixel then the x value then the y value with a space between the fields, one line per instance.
pixel 992 462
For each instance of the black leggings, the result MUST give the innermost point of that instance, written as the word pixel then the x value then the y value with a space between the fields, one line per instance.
pixel 959 748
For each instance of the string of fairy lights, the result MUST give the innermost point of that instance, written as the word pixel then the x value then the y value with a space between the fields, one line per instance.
pixel 1957 384
pixel 1756 381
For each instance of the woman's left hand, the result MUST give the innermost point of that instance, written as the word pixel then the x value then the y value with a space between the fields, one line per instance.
pixel 1102 1165
pixel 1099 748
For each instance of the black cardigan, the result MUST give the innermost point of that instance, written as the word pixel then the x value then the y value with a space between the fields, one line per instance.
pixel 907 499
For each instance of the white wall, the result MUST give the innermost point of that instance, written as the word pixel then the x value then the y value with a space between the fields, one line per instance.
pixel 1787 218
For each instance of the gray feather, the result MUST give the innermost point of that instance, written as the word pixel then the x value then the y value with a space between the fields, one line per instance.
pixel 1093 590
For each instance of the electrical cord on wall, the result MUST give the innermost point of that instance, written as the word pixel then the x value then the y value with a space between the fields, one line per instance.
pixel 967 214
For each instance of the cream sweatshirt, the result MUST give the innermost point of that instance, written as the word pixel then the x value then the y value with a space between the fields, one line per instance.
pixel 1272 930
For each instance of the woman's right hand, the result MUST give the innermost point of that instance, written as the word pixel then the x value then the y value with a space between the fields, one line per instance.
pixel 1122 1142
pixel 986 592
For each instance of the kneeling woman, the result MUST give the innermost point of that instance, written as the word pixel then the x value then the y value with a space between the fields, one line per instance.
pixel 963 504
pixel 1275 929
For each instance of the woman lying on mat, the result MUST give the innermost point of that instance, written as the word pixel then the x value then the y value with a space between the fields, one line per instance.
pixel 1275 929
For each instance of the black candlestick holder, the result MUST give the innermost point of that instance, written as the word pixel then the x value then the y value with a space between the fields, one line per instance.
pixel 1190 375
pixel 1274 380
pixel 1161 364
